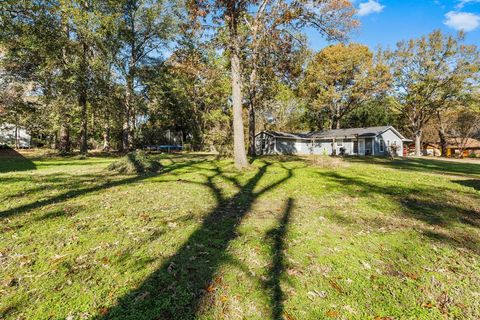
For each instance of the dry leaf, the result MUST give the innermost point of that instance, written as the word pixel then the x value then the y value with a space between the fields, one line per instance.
pixel 332 313
pixel 210 288
pixel 288 316
pixel 427 305
pixel 336 286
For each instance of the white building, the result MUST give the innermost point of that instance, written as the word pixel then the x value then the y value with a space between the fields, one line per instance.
pixel 13 136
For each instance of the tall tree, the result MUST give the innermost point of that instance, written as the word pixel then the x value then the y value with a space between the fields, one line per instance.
pixel 274 40
pixel 146 26
pixel 340 78
pixel 430 74
pixel 273 18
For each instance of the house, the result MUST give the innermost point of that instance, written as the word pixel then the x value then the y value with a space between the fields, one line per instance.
pixel 14 136
pixel 375 141
pixel 467 146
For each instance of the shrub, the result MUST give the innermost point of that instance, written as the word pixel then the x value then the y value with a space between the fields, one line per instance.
pixel 136 162
pixel 472 155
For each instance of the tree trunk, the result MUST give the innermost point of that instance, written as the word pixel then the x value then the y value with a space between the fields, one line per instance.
pixel 240 156
pixel 126 140
pixel 106 137
pixel 442 135
pixel 82 101
pixel 64 145
pixel 418 143
pixel 251 129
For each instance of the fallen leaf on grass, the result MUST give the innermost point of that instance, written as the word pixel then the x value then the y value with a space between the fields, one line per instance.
pixel 332 313
pixel 103 311
pixel 336 286
pixel 427 305
pixel 288 316
pixel 317 294
pixel 382 318
pixel 210 288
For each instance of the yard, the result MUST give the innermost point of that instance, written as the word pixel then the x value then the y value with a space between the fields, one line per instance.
pixel 289 239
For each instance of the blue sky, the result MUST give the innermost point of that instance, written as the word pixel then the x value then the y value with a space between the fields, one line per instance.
pixel 385 22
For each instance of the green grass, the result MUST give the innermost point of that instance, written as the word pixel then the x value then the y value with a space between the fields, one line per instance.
pixel 291 239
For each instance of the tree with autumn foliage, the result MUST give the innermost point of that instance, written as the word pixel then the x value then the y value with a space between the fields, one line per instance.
pixel 257 28
pixel 432 75
pixel 341 78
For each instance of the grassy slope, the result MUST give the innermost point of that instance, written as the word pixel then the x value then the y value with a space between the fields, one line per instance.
pixel 371 238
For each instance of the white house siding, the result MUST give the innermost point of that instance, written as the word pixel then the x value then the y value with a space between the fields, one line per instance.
pixel 389 137
pixel 291 146
pixel 7 136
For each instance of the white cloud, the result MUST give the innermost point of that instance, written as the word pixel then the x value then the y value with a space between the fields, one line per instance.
pixel 371 6
pixel 462 20
pixel 463 3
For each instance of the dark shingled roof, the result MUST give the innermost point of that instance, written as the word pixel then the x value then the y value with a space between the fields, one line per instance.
pixel 337 133
pixel 349 133
pixel 278 134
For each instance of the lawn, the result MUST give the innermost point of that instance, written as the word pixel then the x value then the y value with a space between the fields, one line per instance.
pixel 289 239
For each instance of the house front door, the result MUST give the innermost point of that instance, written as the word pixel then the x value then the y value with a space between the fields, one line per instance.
pixel 361 147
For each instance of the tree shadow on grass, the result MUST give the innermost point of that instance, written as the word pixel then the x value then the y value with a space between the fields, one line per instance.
pixel 71 194
pixel 277 269
pixel 471 183
pixel 11 160
pixel 184 286
pixel 445 220
pixel 424 165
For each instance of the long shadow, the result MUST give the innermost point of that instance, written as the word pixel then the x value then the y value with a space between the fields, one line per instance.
pixel 428 206
pixel 184 285
pixel 277 269
pixel 11 160
pixel 424 165
pixel 471 183
pixel 71 194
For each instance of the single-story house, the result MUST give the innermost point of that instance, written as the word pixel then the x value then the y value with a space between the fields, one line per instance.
pixel 375 141
pixel 12 135
pixel 469 146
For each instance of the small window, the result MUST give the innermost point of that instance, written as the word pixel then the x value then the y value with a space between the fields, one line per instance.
pixel 382 145
pixel 340 143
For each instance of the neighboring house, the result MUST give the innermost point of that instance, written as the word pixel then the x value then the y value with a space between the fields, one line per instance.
pixel 467 145
pixel 375 141
pixel 14 136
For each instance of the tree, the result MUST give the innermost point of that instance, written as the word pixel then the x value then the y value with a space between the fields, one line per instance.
pixel 332 17
pixel 339 79
pixel 276 45
pixel 430 74
pixel 146 26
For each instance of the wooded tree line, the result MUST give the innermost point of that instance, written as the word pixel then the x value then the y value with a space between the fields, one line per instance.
pixel 120 74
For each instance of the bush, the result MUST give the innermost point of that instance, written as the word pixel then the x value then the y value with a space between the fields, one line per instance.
pixel 136 162
pixel 472 155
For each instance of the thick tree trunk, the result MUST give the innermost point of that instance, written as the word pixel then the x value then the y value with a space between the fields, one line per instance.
pixel 418 143
pixel 106 137
pixel 240 156
pixel 443 142
pixel 64 143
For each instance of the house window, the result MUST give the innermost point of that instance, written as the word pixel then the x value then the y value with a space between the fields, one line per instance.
pixel 355 147
pixel 340 143
pixel 263 142
pixel 382 145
